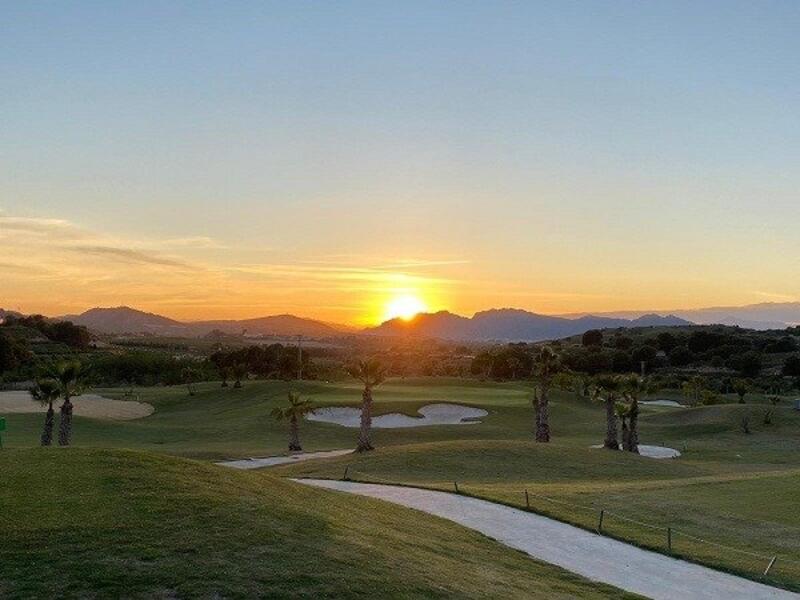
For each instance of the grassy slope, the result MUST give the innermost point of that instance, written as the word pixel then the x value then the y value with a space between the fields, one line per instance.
pixel 111 523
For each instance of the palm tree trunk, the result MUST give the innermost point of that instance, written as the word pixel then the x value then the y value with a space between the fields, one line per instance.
pixel 626 435
pixel 543 417
pixel 294 435
pixel 633 444
pixel 364 444
pixel 65 425
pixel 612 441
pixel 47 432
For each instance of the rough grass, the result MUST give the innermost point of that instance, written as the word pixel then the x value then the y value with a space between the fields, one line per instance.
pixel 121 524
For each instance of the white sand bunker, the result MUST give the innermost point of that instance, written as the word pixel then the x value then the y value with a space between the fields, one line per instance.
pixel 86 405
pixel 671 403
pixel 432 414
pixel 271 461
pixel 653 451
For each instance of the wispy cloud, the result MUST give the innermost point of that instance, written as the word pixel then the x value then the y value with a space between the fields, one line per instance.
pixel 129 256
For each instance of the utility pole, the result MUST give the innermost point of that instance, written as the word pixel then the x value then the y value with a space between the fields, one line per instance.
pixel 300 357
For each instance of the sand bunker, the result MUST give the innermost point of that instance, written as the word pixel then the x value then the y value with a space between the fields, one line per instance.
pixel 432 414
pixel 271 461
pixel 653 451
pixel 87 405
pixel 671 403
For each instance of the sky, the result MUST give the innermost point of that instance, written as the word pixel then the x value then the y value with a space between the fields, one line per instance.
pixel 239 159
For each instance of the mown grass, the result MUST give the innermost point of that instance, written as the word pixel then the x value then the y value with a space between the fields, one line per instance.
pixel 729 488
pixel 81 523
pixel 750 508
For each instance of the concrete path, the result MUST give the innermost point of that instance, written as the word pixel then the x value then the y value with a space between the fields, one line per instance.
pixel 593 556
pixel 271 461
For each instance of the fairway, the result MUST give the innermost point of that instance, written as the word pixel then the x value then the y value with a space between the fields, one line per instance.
pixel 730 499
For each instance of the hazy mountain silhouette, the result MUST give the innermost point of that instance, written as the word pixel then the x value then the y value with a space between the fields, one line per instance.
pixel 765 315
pixel 510 324
pixel 123 319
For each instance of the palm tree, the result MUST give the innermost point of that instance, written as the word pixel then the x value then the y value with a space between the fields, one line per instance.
pixel 547 364
pixel 69 377
pixel 46 392
pixel 190 375
pixel 607 389
pixel 226 374
pixel 295 411
pixel 371 373
pixel 239 372
pixel 623 411
pixel 741 387
pixel 634 388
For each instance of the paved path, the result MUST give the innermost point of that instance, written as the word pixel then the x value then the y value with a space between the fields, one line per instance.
pixel 594 556
pixel 271 461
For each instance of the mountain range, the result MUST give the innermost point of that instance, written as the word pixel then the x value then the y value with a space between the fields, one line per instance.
pixel 505 324
pixel 123 319
pixel 509 324
pixel 762 316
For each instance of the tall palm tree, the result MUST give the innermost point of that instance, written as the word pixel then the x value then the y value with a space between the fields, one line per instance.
pixel 296 410
pixel 607 389
pixel 545 367
pixel 46 392
pixel 69 376
pixel 371 373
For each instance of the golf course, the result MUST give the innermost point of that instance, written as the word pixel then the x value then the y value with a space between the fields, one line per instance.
pixel 100 517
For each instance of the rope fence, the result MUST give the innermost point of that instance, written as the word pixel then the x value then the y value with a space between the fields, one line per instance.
pixel 666 539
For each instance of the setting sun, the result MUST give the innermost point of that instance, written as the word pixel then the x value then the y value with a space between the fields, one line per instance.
pixel 404 307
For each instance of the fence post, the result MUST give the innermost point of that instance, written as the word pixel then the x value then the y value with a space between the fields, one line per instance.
pixel 769 566
pixel 527 501
pixel 600 523
pixel 669 538
pixel 455 484
pixel 345 473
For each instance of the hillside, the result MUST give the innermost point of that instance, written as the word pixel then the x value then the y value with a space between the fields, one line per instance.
pixel 123 319
pixel 112 524
pixel 510 325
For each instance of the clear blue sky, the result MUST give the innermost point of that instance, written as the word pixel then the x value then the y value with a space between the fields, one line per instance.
pixel 556 156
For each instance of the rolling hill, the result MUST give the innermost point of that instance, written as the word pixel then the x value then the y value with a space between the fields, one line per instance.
pixel 123 319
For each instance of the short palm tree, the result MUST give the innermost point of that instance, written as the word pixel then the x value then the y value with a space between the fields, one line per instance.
pixel 239 371
pixel 190 375
pixel 371 373
pixel 546 366
pixel 634 388
pixel 69 376
pixel 46 392
pixel 607 389
pixel 293 412
pixel 623 411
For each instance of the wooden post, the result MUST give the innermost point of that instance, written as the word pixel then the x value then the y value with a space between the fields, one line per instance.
pixel 345 473
pixel 600 523
pixel 669 538
pixel 769 566
pixel 527 501
pixel 455 485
